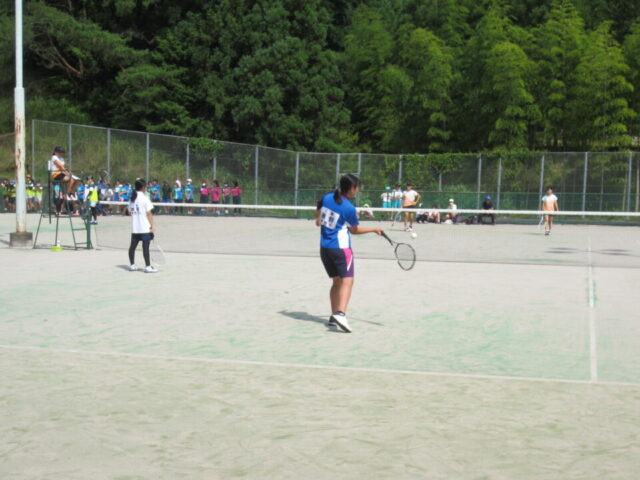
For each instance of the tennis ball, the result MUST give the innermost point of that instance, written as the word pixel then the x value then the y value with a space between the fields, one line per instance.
pixel 414 235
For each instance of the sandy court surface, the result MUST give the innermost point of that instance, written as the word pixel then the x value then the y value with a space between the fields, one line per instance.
pixel 221 366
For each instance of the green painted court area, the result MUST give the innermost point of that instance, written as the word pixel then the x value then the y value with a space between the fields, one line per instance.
pixel 503 354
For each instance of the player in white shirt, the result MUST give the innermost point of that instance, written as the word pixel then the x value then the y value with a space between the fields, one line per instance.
pixel 142 226
pixel 410 199
pixel 549 204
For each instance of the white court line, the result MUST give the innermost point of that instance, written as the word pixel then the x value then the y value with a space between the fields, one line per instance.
pixel 315 367
pixel 593 339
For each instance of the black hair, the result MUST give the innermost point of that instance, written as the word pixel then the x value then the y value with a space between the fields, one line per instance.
pixel 216 183
pixel 347 182
pixel 139 185
pixel 549 187
pixel 235 184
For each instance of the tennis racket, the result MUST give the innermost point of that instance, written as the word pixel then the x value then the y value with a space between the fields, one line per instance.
pixel 541 222
pixel 158 258
pixel 405 254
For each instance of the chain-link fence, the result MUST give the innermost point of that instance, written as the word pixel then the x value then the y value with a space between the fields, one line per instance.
pixel 269 176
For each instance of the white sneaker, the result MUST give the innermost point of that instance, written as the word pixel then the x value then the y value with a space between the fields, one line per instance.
pixel 341 319
pixel 150 269
pixel 133 268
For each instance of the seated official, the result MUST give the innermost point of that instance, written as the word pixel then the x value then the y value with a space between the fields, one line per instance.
pixel 59 172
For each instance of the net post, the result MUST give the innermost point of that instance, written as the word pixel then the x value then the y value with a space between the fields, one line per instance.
pixel 499 186
pixel 70 147
pixel 479 179
pixel 584 181
pixel 629 171
pixel 109 154
pixel 256 171
pixel 297 180
pixel 146 157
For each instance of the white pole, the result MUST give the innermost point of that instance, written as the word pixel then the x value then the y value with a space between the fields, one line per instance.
pixel 20 238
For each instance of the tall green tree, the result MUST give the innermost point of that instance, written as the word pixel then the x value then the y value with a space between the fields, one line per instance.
pixel 557 51
pixel 600 107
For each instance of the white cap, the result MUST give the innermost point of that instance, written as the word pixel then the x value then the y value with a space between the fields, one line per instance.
pixel 188 180
pixel 451 200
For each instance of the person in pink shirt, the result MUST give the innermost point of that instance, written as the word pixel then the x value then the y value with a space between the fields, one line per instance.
pixel 236 192
pixel 226 196
pixel 205 192
pixel 215 195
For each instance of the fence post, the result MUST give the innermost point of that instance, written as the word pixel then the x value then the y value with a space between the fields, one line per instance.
pixel 256 171
pixel 337 169
pixel 297 180
pixel 541 181
pixel 360 176
pixel 70 148
pixel 637 185
pixel 584 181
pixel 188 160
pixel 400 165
pixel 214 167
pixel 440 181
pixel 108 155
pixel 146 158
pixel 629 171
pixel 479 179
pixel 499 183
pixel 33 148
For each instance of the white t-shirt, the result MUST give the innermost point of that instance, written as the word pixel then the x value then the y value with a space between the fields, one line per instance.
pixel 548 202
pixel 52 167
pixel 410 196
pixel 386 197
pixel 453 206
pixel 397 194
pixel 138 209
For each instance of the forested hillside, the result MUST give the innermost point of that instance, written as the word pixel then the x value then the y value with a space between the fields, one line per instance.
pixel 345 75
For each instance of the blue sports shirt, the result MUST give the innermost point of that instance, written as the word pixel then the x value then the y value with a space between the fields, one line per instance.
pixel 335 219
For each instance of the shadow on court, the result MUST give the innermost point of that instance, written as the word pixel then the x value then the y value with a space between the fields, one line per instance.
pixel 315 318
pixel 307 317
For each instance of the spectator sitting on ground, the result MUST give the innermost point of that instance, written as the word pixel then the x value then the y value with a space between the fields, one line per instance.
pixel 448 219
pixel 366 211
pixel 421 215
pixel 433 214
pixel 454 211
pixel 487 205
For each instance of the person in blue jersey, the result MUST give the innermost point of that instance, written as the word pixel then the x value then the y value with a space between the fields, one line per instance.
pixel 177 195
pixel 338 219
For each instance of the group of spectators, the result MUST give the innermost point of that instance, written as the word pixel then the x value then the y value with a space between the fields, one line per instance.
pixel 393 198
pixel 34 191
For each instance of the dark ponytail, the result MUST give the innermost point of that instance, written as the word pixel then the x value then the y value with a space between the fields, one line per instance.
pixel 139 185
pixel 347 182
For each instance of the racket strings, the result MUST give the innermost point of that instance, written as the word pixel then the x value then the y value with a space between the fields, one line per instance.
pixel 406 256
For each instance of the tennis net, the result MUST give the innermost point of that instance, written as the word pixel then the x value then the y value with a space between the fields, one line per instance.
pixel 479 236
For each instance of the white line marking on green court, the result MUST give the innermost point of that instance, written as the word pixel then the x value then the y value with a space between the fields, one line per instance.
pixel 593 339
pixel 470 376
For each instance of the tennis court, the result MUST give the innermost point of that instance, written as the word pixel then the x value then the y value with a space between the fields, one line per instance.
pixel 502 354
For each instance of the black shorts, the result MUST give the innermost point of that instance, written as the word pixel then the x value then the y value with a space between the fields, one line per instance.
pixel 142 237
pixel 338 262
